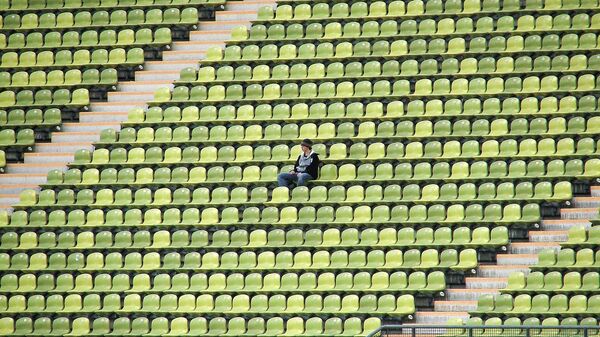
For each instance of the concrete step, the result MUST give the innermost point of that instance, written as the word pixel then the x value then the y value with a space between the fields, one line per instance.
pixel 71 137
pixel 563 224
pixel 156 75
pixel 548 236
pixel 485 282
pixel 184 56
pixel 146 86
pixel 468 294
pixel 42 158
pixel 89 127
pixel 579 213
pixel 222 25
pixel 95 117
pixel 247 5
pixel 63 147
pixel 9 199
pixel 586 202
pixel 454 306
pixel 595 191
pixel 168 65
pixel 10 179
pixel 234 16
pixel 127 97
pixel 213 35
pixel 17 188
pixel 116 106
pixel 517 259
pixel 35 168
pixel 531 247
pixel 435 317
pixel 196 45
pixel 500 270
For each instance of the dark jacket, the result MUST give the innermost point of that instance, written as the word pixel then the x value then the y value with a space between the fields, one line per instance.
pixel 312 168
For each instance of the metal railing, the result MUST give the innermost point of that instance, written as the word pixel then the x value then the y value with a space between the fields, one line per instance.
pixel 486 331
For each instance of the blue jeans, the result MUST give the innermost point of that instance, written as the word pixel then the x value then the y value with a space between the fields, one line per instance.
pixel 286 179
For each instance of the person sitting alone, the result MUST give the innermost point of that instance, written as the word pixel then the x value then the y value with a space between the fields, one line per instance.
pixel 306 167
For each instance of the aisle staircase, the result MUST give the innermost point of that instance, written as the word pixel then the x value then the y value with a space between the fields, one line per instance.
pixel 490 278
pixel 101 115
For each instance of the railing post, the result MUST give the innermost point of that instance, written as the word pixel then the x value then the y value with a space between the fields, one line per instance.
pixel 470 333
pixel 585 332
pixel 413 332
pixel 527 332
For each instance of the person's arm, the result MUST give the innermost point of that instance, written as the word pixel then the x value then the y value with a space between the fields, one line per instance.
pixel 295 165
pixel 313 168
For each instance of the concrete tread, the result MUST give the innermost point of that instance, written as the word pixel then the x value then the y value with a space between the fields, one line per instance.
pixel 229 12
pixel 36 165
pixel 486 279
pixel 117 103
pixel 517 255
pixel 218 23
pixel 129 93
pixel 555 232
pixel 66 143
pixel 3 186
pixel 61 133
pixel 183 52
pixel 534 244
pixel 471 290
pixel 89 124
pixel 210 32
pixel 194 43
pixel 576 210
pixel 442 313
pixel 48 154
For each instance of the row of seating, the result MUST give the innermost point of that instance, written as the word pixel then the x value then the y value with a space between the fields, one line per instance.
pixel 514 325
pixel 9 139
pixel 525 149
pixel 393 260
pixel 406 172
pixel 442 128
pixel 45 98
pixel 259 238
pixel 415 216
pixel 60 5
pixel 554 281
pixel 101 19
pixel 59 78
pixel 435 108
pixel 428 27
pixel 567 259
pixel 416 282
pixel 337 195
pixel 30 118
pixel 401 48
pixel 182 326
pixel 11 61
pixel 209 305
pixel 374 68
pixel 311 91
pixel 90 38
pixel 581 237
pixel 538 305
pixel 360 9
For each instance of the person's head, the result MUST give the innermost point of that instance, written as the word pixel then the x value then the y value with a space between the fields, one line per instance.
pixel 306 145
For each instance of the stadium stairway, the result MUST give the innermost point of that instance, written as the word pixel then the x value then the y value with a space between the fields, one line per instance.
pixel 490 278
pixel 102 115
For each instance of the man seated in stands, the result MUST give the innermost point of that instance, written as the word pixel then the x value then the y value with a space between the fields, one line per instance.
pixel 306 167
